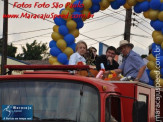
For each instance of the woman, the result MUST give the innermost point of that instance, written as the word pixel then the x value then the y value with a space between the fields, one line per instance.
pixel 78 56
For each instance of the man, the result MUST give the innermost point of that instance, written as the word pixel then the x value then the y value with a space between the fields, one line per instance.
pixel 108 59
pixel 132 64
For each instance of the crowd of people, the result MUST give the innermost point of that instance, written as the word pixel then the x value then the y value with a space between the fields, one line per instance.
pixel 132 64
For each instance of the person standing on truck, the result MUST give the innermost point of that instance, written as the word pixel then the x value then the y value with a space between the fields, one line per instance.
pixel 78 56
pixel 108 59
pixel 132 64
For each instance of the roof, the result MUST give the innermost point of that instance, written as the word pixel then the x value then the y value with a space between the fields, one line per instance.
pixel 16 60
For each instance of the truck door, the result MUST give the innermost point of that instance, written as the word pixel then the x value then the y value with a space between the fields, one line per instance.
pixel 113 109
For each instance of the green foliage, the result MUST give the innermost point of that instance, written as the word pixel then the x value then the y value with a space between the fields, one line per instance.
pixel 11 50
pixel 33 51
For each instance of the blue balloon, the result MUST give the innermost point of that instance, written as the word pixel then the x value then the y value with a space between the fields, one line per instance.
pixel 95 8
pixel 161 7
pixel 69 38
pixel 61 10
pixel 121 2
pixel 55 51
pixel 80 24
pixel 62 58
pixel 59 21
pixel 162 30
pixel 73 46
pixel 161 71
pixel 155 4
pixel 157 25
pixel 63 30
pixel 157 52
pixel 154 45
pixel 96 1
pixel 75 16
pixel 52 43
pixel 137 8
pixel 115 5
pixel 77 6
pixel 151 22
pixel 144 6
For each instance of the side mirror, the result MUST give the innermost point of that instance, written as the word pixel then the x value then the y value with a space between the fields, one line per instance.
pixel 139 111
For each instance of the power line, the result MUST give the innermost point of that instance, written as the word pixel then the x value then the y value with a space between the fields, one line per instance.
pixel 101 27
pixel 31 37
pixel 29 31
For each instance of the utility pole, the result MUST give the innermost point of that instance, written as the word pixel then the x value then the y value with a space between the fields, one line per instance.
pixel 128 25
pixel 5 38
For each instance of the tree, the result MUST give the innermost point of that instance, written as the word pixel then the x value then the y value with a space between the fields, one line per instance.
pixel 33 51
pixel 11 50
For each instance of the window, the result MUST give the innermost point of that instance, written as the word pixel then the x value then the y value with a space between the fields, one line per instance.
pixel 53 100
pixel 113 109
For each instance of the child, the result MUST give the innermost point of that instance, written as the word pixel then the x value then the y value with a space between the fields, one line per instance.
pixel 78 56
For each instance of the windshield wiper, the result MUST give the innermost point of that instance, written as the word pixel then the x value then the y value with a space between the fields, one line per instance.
pixel 59 120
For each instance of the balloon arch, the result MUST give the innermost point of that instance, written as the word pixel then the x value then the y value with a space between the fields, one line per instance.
pixel 67 29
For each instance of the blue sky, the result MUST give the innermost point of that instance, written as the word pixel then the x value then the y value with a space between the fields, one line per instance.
pixel 106 26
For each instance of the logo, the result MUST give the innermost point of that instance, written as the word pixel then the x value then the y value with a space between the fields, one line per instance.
pixel 17 112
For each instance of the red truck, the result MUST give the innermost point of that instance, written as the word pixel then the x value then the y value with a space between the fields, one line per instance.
pixel 60 96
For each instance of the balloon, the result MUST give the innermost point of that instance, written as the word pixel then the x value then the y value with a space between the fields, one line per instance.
pixel 63 30
pixel 131 2
pixel 154 74
pixel 155 33
pixel 161 61
pixel 159 82
pixel 151 65
pixel 95 8
pixel 157 25
pixel 115 5
pixel 154 45
pixel 161 71
pixel 161 7
pixel 139 0
pixel 56 63
pixel 72 1
pixel 104 4
pixel 162 30
pixel 75 33
pixel 55 28
pixel 61 44
pixel 73 46
pixel 151 82
pixel 55 51
pixel 151 58
pixel 155 4
pixel 158 39
pixel 87 4
pixel 69 7
pixel 126 6
pixel 69 38
pixel 52 43
pixel 146 14
pixel 144 6
pixel 87 14
pixel 160 16
pixel 75 16
pixel 62 58
pixel 121 2
pixel 55 36
pixel 71 25
pixel 80 24
pixel 59 21
pixel 153 14
pixel 137 8
pixel 68 51
pixel 157 51
pixel 162 45
pixel 66 14
pixel 96 1
pixel 52 59
pixel 77 8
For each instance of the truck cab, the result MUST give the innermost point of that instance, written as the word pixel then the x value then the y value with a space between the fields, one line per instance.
pixel 60 96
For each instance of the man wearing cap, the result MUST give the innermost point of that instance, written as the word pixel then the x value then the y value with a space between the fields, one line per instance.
pixel 132 64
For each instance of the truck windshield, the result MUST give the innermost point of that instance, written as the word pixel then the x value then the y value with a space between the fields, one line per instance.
pixel 52 100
